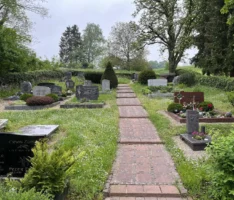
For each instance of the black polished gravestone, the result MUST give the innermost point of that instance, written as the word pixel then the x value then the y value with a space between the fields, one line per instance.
pixel 15 148
pixel 192 122
pixel 88 92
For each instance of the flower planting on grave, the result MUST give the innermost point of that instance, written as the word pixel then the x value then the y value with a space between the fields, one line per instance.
pixel 198 135
pixel 39 101
pixel 155 89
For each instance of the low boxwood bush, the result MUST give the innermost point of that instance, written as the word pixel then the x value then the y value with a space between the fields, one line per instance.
pixel 230 96
pixel 53 96
pixel 25 96
pixel 220 167
pixel 174 107
pixel 206 106
pixel 145 75
pixel 39 101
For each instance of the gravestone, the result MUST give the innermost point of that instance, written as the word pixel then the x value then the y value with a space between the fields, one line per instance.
pixel 105 85
pixel 176 80
pixel 15 148
pixel 87 83
pixel 41 91
pixel 50 85
pixel 70 84
pixel 192 121
pixel 68 75
pixel 80 75
pixel 26 87
pixel 188 97
pixel 157 82
pixel 88 92
pixel 3 123
pixel 56 90
pixel 135 77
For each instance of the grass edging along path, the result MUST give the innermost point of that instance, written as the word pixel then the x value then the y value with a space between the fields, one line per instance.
pixel 192 172
pixel 91 131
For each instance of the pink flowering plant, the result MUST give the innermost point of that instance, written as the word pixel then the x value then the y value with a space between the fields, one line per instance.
pixel 198 135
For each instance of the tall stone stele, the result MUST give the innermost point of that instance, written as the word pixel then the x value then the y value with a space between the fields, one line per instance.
pixel 192 121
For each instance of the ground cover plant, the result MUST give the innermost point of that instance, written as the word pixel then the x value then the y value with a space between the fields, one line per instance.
pixel 195 174
pixel 90 132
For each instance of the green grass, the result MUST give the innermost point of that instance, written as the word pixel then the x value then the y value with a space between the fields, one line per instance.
pixel 93 131
pixel 193 173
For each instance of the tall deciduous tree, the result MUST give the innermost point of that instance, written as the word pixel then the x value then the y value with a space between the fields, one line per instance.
pixel 93 41
pixel 168 23
pixel 228 8
pixel 123 42
pixel 71 46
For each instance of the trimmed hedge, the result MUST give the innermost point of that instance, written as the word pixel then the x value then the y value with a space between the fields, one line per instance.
pixel 145 75
pixel 95 77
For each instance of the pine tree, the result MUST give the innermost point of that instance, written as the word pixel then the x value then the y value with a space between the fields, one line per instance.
pixel 109 74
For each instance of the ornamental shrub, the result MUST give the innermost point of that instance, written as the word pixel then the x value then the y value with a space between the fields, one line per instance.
pixel 187 79
pixel 206 106
pixel 109 74
pixel 174 107
pixel 230 96
pixel 53 96
pixel 39 101
pixel 220 167
pixel 25 96
pixel 145 75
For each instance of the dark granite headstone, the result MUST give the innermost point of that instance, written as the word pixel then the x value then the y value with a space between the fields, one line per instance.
pixel 56 90
pixel 70 84
pixel 192 121
pixel 68 75
pixel 26 87
pixel 15 148
pixel 88 92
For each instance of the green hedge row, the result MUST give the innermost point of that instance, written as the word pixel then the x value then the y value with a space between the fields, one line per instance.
pixel 34 76
pixel 220 82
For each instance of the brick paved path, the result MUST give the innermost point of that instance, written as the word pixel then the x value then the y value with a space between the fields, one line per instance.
pixel 143 169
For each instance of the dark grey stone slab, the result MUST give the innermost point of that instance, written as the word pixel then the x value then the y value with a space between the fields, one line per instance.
pixel 83 105
pixel 192 121
pixel 15 148
pixel 3 123
pixel 88 92
pixel 25 107
pixel 195 145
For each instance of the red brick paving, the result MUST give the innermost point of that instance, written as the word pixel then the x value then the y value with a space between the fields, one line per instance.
pixel 143 169
pixel 132 112
pixel 135 131
pixel 126 95
pixel 128 102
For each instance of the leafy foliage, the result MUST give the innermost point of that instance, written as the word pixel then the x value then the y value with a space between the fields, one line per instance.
pixel 145 75
pixel 230 96
pixel 109 74
pixel 206 106
pixel 221 171
pixel 187 79
pixel 53 96
pixel 25 96
pixel 95 77
pixel 174 107
pixel 39 101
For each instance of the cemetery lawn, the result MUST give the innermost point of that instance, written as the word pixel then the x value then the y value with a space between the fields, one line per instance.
pixel 192 172
pixel 93 132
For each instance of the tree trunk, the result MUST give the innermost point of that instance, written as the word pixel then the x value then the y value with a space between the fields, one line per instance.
pixel 172 62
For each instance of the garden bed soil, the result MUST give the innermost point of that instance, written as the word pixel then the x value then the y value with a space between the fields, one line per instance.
pixel 25 107
pixel 83 105
pixel 202 120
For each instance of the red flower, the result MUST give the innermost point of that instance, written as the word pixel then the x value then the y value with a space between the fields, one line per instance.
pixel 201 109
pixel 210 105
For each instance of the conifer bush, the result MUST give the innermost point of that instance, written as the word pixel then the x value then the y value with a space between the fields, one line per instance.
pixel 109 74
pixel 145 75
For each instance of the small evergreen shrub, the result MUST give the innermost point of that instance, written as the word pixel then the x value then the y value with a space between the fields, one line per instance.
pixel 53 96
pixel 174 107
pixel 25 96
pixel 145 75
pixel 220 167
pixel 206 106
pixel 39 101
pixel 187 79
pixel 230 96
pixel 109 74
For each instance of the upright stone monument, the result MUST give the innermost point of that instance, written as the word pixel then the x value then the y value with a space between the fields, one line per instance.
pixel 26 87
pixel 192 121
pixel 56 90
pixel 105 85
pixel 157 82
pixel 70 84
pixel 88 92
pixel 68 75
pixel 87 83
pixel 41 91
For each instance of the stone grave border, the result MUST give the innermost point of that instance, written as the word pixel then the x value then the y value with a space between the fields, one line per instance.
pixel 159 94
pixel 25 107
pixel 202 120
pixel 83 105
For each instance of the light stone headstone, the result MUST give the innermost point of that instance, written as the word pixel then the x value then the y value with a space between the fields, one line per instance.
pixel 176 80
pixel 192 121
pixel 41 91
pixel 26 87
pixel 88 92
pixel 87 83
pixel 105 85
pixel 56 90
pixel 70 84
pixel 157 82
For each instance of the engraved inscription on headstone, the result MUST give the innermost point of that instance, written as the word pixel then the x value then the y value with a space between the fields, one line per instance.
pixel 105 85
pixel 192 121
pixel 70 84
pixel 87 83
pixel 56 90
pixel 88 92
pixel 41 91
pixel 157 82
pixel 26 87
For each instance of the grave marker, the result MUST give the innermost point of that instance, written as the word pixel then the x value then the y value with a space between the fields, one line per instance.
pixel 105 85
pixel 87 83
pixel 70 84
pixel 192 121
pixel 188 97
pixel 26 87
pixel 88 92
pixel 157 82
pixel 56 90
pixel 41 91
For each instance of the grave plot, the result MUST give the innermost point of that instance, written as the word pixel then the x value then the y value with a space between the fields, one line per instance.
pixel 158 91
pixel 184 101
pixel 15 148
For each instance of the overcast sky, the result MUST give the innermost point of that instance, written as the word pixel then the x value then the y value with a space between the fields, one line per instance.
pixel 48 31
